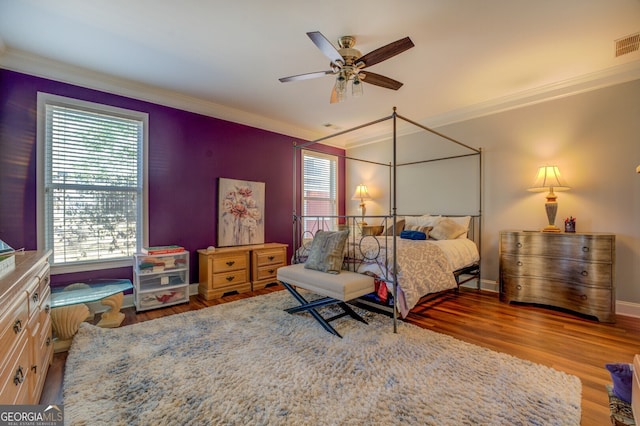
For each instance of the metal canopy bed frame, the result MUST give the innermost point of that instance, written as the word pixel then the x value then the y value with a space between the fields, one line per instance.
pixel 300 234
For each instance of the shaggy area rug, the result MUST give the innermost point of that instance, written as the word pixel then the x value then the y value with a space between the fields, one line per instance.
pixel 248 362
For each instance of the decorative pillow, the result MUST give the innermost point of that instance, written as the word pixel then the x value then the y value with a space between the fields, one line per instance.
pixel 327 251
pixel 413 235
pixel 423 229
pixel 447 229
pixel 622 377
pixel 399 227
pixel 464 221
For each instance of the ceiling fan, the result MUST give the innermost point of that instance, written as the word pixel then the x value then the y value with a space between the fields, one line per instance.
pixel 349 64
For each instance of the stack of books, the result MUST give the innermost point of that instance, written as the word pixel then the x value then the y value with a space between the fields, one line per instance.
pixel 162 250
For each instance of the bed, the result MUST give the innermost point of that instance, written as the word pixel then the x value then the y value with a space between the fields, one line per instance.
pixel 424 267
pixel 406 270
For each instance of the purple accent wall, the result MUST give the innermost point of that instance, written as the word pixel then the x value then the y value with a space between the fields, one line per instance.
pixel 187 153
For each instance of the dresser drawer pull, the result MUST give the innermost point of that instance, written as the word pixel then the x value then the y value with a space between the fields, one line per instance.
pixel 519 263
pixel 47 308
pixel 48 341
pixel 17 326
pixel 35 297
pixel 230 278
pixel 271 271
pixel 584 273
pixel 34 368
pixel 519 245
pixel 584 297
pixel 518 287
pixel 271 257
pixel 231 262
pixel 585 249
pixel 19 377
pixel 46 280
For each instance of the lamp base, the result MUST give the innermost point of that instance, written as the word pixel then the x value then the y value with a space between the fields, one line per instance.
pixel 551 228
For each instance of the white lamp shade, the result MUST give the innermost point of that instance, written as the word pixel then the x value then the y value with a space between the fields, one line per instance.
pixel 361 193
pixel 548 177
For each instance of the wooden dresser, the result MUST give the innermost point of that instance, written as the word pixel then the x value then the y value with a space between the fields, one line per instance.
pixel 240 268
pixel 26 343
pixel 572 271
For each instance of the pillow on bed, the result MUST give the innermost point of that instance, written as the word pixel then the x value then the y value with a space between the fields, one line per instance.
pixel 327 251
pixel 447 229
pixel 399 227
pixel 464 221
pixel 424 220
pixel 423 229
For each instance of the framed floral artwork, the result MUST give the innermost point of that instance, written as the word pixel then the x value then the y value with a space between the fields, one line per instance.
pixel 240 212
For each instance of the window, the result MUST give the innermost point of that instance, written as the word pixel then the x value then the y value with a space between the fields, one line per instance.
pixel 319 188
pixel 91 183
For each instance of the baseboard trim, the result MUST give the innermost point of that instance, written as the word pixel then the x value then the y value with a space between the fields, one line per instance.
pixel 627 309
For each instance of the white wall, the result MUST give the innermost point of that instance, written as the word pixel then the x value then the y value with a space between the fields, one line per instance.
pixel 593 137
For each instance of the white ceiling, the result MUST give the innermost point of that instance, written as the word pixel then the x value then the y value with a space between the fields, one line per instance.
pixel 224 58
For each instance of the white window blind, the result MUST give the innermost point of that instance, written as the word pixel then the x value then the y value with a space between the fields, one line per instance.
pixel 320 182
pixel 93 182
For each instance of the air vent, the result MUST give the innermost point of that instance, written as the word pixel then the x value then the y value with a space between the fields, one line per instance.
pixel 627 44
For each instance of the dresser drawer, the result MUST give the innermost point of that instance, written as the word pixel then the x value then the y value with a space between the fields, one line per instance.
pixel 13 326
pixel 230 262
pixel 575 271
pixel 14 380
pixel 593 301
pixel 267 272
pixel 230 278
pixel 270 257
pixel 578 246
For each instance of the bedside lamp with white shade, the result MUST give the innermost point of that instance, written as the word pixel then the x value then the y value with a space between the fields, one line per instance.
pixel 362 194
pixel 549 179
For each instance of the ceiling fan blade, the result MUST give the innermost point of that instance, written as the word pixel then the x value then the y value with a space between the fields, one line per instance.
pixel 326 47
pixel 379 80
pixel 306 76
pixel 385 52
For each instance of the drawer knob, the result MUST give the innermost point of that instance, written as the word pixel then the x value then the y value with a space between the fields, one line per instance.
pixel 271 271
pixel 584 273
pixel 585 249
pixel 17 326
pixel 35 297
pixel 230 278
pixel 34 368
pixel 519 245
pixel 19 376
pixel 46 280
pixel 518 287
pixel 231 262
pixel 47 308
pixel 519 263
pixel 48 341
pixel 271 257
pixel 583 297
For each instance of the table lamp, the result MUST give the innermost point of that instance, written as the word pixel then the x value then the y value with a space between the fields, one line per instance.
pixel 549 179
pixel 362 194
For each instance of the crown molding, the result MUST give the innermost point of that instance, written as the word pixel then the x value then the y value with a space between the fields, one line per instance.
pixel 585 83
pixel 19 61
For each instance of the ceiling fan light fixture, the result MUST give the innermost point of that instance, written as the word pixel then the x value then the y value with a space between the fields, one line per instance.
pixel 341 86
pixel 356 87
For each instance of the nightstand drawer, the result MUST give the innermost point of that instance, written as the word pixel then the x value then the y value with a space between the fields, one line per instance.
pixel 592 274
pixel 231 262
pixel 267 272
pixel 226 279
pixel 270 257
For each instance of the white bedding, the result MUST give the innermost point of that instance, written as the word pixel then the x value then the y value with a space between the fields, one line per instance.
pixel 424 266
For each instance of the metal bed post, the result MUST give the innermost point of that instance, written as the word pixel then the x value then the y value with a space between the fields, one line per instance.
pixel 395 231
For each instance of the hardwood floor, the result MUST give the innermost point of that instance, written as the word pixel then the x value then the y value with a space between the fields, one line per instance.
pixel 559 340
